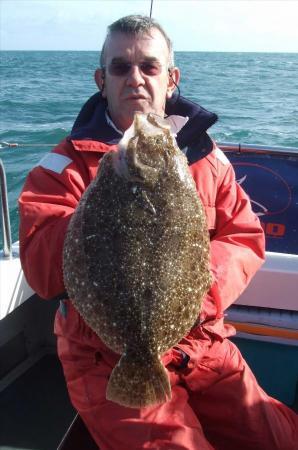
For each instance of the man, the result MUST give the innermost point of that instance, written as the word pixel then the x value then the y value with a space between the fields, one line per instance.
pixel 216 402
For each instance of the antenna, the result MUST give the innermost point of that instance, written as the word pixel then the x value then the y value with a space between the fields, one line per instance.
pixel 151 6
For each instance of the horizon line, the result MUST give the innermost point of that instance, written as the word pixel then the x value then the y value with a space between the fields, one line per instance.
pixel 175 51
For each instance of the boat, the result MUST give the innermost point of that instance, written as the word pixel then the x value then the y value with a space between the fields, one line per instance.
pixel 35 409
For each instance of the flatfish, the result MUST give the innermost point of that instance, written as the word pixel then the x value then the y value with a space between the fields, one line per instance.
pixel 136 258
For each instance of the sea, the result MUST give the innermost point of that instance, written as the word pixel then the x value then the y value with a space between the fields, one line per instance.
pixel 255 96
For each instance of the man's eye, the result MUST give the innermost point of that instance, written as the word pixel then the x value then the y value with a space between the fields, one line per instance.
pixel 119 69
pixel 150 68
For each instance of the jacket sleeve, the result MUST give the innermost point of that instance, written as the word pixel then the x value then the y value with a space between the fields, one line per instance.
pixel 237 245
pixel 46 204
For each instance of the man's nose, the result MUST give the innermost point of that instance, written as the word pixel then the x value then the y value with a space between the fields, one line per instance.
pixel 135 76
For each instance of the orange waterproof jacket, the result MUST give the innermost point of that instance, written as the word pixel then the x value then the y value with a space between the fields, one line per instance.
pixel 54 188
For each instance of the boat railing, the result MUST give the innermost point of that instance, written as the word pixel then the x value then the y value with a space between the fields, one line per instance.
pixel 225 146
pixel 257 149
pixel 7 243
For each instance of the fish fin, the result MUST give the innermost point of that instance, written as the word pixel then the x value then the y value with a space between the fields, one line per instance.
pixel 137 384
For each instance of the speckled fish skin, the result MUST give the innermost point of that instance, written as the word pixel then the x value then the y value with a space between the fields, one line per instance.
pixel 136 258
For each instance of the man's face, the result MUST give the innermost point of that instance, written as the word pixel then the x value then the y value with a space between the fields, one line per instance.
pixel 145 85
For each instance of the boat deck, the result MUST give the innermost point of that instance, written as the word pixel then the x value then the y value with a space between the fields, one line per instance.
pixel 35 410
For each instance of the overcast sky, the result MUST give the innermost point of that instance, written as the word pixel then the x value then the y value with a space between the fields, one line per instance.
pixel 197 25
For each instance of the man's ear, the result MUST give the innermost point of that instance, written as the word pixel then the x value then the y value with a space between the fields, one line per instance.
pixel 99 77
pixel 174 78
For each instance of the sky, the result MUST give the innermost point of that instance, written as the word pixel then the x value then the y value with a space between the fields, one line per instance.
pixel 193 25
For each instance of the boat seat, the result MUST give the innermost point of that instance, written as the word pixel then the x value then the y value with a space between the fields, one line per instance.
pixel 77 437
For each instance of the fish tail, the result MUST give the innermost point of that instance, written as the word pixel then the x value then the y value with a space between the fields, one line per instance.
pixel 138 383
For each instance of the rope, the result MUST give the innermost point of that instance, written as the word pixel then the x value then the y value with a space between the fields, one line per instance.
pixel 4 144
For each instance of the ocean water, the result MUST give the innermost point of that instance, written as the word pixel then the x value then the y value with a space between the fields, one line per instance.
pixel 254 94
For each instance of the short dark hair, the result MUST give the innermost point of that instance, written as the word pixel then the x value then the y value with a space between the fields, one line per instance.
pixel 137 24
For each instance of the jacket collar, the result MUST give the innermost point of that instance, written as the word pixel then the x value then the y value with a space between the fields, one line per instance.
pixel 92 124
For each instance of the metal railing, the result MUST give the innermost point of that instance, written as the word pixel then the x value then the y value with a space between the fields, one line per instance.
pixel 7 244
pixel 259 149
pixel 225 146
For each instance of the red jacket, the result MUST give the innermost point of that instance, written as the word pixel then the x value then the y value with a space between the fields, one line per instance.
pixel 203 362
pixel 51 194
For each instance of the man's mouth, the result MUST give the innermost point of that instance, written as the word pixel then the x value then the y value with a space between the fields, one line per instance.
pixel 135 97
